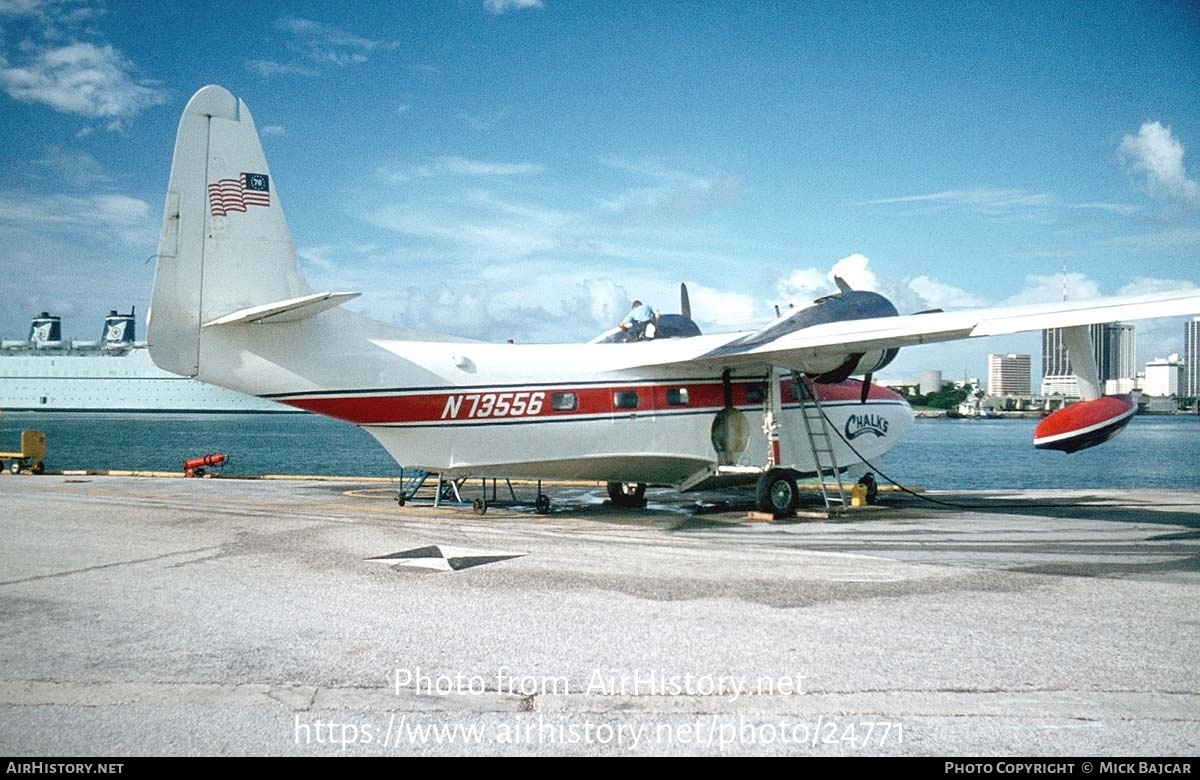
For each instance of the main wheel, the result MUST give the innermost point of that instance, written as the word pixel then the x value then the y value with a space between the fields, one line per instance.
pixel 627 494
pixel 38 467
pixel 15 468
pixel 776 492
pixel 479 506
pixel 542 504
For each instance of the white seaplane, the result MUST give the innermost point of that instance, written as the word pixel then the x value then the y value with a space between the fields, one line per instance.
pixel 231 307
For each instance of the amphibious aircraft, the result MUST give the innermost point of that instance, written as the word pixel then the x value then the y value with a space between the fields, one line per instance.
pixel 231 307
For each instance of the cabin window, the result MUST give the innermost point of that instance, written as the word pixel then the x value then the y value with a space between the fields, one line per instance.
pixel 755 394
pixel 626 399
pixel 564 402
pixel 677 396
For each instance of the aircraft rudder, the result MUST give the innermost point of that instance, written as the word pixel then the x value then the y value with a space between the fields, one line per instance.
pixel 225 244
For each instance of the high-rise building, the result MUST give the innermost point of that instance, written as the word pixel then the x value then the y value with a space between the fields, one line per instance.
pixel 1120 351
pixel 1113 346
pixel 1191 358
pixel 1008 374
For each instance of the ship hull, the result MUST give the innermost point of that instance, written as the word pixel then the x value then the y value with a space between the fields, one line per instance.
pixel 118 381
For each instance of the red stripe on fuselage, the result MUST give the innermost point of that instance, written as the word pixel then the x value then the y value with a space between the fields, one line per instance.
pixel 509 404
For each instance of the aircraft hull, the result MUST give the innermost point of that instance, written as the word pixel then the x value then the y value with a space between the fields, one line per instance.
pixel 658 432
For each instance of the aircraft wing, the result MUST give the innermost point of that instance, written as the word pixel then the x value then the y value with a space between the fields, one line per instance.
pixel 799 347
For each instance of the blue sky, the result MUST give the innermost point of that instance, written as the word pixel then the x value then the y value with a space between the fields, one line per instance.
pixel 521 169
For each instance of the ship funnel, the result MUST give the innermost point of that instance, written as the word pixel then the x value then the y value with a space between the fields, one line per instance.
pixel 118 330
pixel 45 329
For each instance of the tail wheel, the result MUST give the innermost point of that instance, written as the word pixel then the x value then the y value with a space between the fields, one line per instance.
pixel 627 494
pixel 776 492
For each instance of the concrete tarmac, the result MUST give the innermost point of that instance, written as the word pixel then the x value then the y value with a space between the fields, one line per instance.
pixel 154 616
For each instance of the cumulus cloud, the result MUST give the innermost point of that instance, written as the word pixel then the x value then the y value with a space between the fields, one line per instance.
pixel 501 6
pixel 1047 289
pixel 803 285
pixel 81 78
pixel 1157 156
pixel 938 295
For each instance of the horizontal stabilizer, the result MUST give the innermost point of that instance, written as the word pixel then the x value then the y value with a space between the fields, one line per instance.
pixel 290 310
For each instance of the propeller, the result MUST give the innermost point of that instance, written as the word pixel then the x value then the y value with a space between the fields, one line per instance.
pixel 685 305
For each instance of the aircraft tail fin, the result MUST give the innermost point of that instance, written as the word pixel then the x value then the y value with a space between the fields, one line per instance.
pixel 225 248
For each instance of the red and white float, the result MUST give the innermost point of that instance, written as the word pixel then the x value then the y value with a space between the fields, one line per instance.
pixel 1085 424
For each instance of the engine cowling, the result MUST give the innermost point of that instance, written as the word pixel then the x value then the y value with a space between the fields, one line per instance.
pixel 1084 424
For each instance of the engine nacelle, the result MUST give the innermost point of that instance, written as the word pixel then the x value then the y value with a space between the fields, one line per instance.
pixel 1085 424
pixel 871 362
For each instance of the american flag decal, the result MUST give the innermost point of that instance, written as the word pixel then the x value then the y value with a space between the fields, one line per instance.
pixel 251 189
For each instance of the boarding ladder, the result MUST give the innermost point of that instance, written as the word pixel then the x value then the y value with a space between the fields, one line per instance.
pixel 820 442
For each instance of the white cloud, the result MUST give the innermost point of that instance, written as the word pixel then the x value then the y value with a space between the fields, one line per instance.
pixel 723 310
pixel 854 269
pixel 77 169
pixel 674 193
pixel 118 217
pixel 81 78
pixel 1144 285
pixel 272 130
pixel 457 166
pixel 1158 156
pixel 269 68
pixel 938 295
pixel 985 200
pixel 802 286
pixel 325 44
pixel 318 45
pixel 1047 289
pixel 501 6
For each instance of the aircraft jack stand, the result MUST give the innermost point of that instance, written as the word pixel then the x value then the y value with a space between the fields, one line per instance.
pixel 450 491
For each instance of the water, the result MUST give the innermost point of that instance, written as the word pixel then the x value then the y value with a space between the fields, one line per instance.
pixel 1152 452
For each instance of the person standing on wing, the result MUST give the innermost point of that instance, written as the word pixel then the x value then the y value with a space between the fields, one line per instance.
pixel 641 321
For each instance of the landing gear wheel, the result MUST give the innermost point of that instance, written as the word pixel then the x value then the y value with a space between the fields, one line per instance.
pixel 479 506
pixel 776 492
pixel 627 494
pixel 872 487
pixel 15 468
pixel 400 500
pixel 38 467
pixel 542 504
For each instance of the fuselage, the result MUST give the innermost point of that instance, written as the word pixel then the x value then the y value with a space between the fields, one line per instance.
pixel 567 411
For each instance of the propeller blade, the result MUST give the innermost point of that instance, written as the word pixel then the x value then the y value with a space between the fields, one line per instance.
pixel 866 388
pixel 685 305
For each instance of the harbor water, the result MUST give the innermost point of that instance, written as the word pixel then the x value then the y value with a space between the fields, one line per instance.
pixel 1152 452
